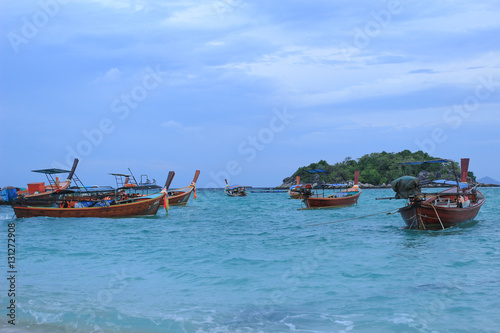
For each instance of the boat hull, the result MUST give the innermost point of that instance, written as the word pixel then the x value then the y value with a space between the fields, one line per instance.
pixel 327 202
pixel 240 194
pixel 427 216
pixel 140 207
pixel 180 199
pixel 236 191
pixel 295 195
pixel 180 196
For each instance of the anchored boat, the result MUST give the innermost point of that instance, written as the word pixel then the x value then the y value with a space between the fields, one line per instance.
pixel 176 197
pixel 111 206
pixel 319 197
pixel 180 196
pixel 435 211
pixel 99 202
pixel 235 190
pixel 39 192
pixel 294 190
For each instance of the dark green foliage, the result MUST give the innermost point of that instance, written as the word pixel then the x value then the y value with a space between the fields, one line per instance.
pixel 377 168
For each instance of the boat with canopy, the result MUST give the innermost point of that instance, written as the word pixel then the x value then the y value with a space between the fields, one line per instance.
pixel 235 190
pixel 39 191
pixel 437 211
pixel 294 191
pixel 331 195
pixel 98 202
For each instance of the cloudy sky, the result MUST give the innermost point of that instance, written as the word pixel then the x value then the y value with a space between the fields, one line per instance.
pixel 245 90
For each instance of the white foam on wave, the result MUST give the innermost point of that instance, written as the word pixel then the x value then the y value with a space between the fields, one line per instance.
pixel 402 318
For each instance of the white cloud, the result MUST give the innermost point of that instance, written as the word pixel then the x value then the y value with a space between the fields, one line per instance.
pixel 212 15
pixel 321 76
pixel 180 128
pixel 113 74
pixel 465 22
pixel 135 5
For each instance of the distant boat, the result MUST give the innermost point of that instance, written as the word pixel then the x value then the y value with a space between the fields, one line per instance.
pixel 341 196
pixel 435 211
pixel 235 190
pixel 294 190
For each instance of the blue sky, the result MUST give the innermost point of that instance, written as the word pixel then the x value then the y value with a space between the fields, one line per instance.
pixel 245 90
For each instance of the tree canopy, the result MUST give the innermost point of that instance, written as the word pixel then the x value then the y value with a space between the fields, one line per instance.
pixel 377 169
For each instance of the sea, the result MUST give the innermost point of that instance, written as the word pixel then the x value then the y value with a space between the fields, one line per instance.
pixel 251 264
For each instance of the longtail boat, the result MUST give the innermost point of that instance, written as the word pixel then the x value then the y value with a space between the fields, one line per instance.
pixel 180 196
pixel 341 196
pixel 176 197
pixel 294 190
pixel 39 192
pixel 235 190
pixel 97 203
pixel 105 208
pixel 436 211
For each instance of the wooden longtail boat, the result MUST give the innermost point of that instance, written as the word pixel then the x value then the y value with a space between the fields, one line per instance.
pixel 180 196
pixel 342 198
pixel 235 190
pixel 98 203
pixel 436 211
pixel 441 211
pixel 38 192
pixel 135 207
pixel 176 197
pixel 294 190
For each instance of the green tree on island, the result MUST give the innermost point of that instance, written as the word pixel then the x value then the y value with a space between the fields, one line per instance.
pixel 376 169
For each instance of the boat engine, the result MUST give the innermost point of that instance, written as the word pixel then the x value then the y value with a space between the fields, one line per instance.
pixel 306 190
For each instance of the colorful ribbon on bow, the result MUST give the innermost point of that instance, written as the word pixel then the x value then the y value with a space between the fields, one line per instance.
pixel 193 184
pixel 165 201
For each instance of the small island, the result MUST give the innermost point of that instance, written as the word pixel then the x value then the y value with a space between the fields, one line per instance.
pixel 378 170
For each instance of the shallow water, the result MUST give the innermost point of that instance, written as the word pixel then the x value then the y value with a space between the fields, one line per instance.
pixel 253 264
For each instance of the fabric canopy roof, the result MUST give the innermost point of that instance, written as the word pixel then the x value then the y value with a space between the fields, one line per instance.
pixel 51 171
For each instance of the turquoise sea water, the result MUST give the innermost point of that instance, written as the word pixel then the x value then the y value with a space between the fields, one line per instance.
pixel 252 264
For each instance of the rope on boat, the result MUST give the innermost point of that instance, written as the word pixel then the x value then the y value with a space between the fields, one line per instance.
pixel 414 219
pixel 354 218
pixel 421 221
pixel 442 226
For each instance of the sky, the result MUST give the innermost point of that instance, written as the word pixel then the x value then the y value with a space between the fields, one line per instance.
pixel 247 91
